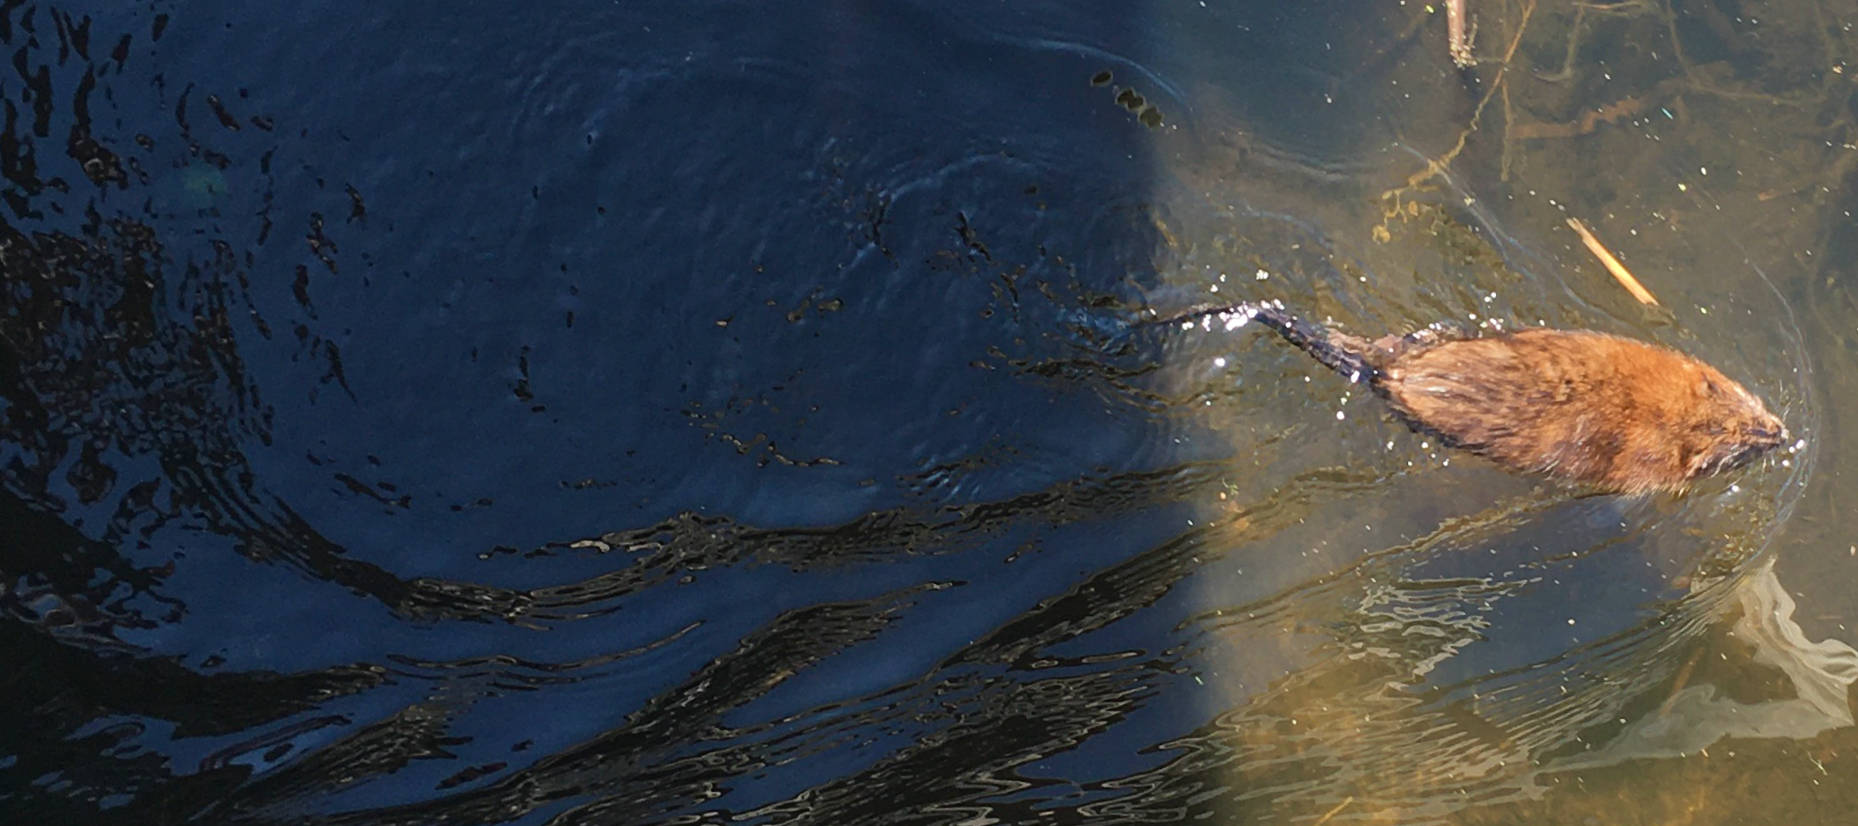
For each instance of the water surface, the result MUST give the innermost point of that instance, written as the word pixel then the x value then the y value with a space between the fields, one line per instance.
pixel 716 412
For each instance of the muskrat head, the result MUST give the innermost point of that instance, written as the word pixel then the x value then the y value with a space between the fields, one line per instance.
pixel 1732 425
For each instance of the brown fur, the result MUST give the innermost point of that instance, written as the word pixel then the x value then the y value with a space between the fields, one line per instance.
pixel 1618 414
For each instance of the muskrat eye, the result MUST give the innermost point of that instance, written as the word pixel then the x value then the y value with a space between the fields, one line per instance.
pixel 1709 386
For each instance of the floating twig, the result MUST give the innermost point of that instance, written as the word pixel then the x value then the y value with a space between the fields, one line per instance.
pixel 1619 271
pixel 1459 40
pixel 1333 812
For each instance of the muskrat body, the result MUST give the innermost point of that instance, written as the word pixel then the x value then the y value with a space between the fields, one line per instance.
pixel 1612 412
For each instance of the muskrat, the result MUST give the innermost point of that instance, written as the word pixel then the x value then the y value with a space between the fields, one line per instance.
pixel 1618 414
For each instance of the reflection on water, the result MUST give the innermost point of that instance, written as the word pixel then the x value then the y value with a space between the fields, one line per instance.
pixel 708 415
pixel 1695 716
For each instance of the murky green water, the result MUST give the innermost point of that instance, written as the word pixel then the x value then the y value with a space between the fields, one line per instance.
pixel 1461 646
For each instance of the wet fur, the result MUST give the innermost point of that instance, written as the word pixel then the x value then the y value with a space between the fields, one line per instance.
pixel 1612 412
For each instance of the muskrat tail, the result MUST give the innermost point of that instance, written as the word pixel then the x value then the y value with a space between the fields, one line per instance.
pixel 1342 353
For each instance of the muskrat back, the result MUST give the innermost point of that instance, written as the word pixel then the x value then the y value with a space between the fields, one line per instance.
pixel 1616 413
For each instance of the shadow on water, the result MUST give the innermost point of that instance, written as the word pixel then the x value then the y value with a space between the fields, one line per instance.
pixel 709 414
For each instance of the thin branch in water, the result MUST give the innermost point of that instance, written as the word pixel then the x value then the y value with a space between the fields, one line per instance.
pixel 1619 271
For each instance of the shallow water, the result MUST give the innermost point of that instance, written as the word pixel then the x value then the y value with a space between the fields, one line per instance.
pixel 715 413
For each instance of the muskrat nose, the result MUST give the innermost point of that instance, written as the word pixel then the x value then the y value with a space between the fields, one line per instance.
pixel 1773 434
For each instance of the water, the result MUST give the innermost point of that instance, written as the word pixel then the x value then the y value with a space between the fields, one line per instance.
pixel 733 413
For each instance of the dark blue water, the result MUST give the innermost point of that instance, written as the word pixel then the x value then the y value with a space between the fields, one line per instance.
pixel 716 412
